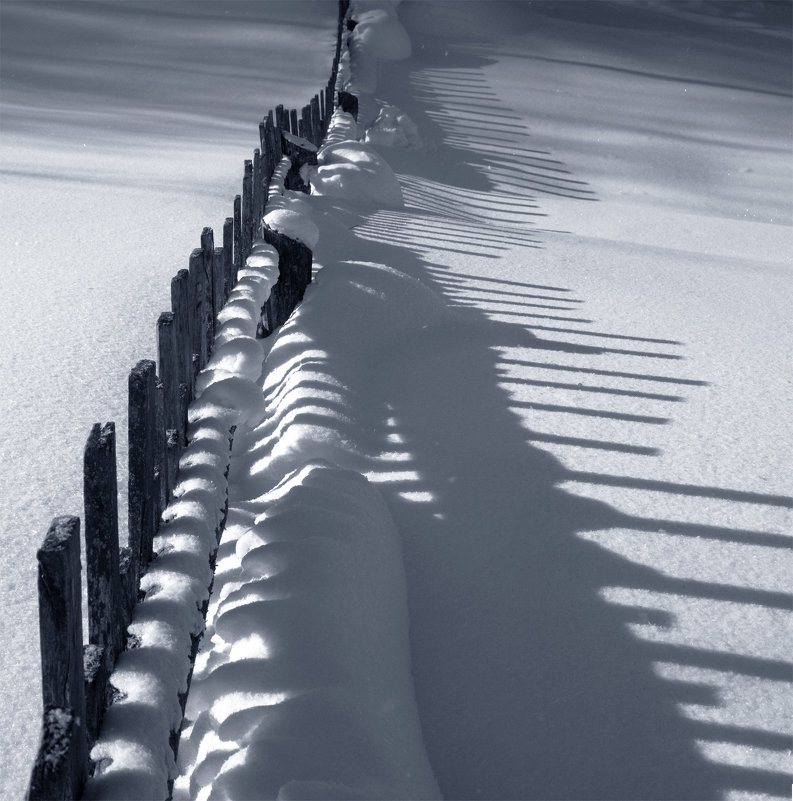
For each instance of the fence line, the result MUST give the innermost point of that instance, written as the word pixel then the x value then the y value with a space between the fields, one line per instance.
pixel 76 688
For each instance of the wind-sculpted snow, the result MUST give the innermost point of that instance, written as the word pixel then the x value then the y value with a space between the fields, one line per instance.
pixel 133 754
pixel 306 691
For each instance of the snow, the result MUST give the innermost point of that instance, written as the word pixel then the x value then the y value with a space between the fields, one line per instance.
pixel 509 497
pixel 123 128
pixel 294 225
pixel 553 360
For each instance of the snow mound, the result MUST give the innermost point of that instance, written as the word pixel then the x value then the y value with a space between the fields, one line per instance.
pixel 311 655
pixel 379 31
pixel 355 172
pixel 393 128
pixel 294 225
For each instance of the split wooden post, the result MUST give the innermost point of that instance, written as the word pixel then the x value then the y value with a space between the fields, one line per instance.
pixel 61 766
pixel 161 486
pixel 105 621
pixel 267 165
pixel 316 121
pixel 237 238
pixel 228 257
pixel 349 103
pixel 258 201
pixel 197 315
pixel 180 306
pixel 142 443
pixel 168 368
pixel 293 122
pixel 280 117
pixel 294 275
pixel 208 253
pixel 247 211
pixel 219 279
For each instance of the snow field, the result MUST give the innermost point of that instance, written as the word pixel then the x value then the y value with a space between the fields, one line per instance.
pixel 123 128
pixel 560 411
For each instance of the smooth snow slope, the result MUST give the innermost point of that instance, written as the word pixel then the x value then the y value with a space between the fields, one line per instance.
pixel 565 361
pixel 600 575
pixel 123 130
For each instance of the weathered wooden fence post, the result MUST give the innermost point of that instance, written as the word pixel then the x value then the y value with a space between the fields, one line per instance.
pixel 105 620
pixel 258 198
pixel 247 211
pixel 294 275
pixel 208 255
pixel 142 421
pixel 197 314
pixel 180 306
pixel 173 425
pixel 237 237
pixel 316 121
pixel 228 257
pixel 61 766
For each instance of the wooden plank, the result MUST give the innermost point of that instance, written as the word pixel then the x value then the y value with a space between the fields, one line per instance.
pixel 294 275
pixel 237 238
pixel 197 316
pixel 219 278
pixel 258 203
pixel 141 453
pixel 61 767
pixel 293 121
pixel 100 498
pixel 105 619
pixel 208 254
pixel 168 367
pixel 228 257
pixel 180 306
pixel 160 455
pixel 316 121
pixel 267 165
pixel 247 210
pixel 273 139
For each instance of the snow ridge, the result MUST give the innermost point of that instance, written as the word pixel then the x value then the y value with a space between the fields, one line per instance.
pixel 133 753
pixel 303 686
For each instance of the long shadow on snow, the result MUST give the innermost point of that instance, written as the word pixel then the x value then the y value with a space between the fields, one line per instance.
pixel 529 685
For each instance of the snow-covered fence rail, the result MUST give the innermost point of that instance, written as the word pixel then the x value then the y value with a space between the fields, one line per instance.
pixel 76 678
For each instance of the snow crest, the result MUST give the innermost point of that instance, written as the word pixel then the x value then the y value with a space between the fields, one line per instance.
pixel 133 753
pixel 303 686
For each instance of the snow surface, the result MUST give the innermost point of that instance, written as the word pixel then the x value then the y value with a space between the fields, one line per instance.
pixel 123 128
pixel 563 359
pixel 561 355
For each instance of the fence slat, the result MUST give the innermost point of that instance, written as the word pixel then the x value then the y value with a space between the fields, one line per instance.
pixel 105 629
pixel 258 202
pixel 208 251
pixel 141 452
pixel 237 238
pixel 218 277
pixel 228 256
pixel 168 367
pixel 197 316
pixel 293 121
pixel 161 489
pixel 180 306
pixel 100 499
pixel 247 211
pixel 316 121
pixel 60 769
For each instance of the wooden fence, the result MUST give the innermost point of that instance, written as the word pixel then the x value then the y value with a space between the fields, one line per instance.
pixel 76 689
